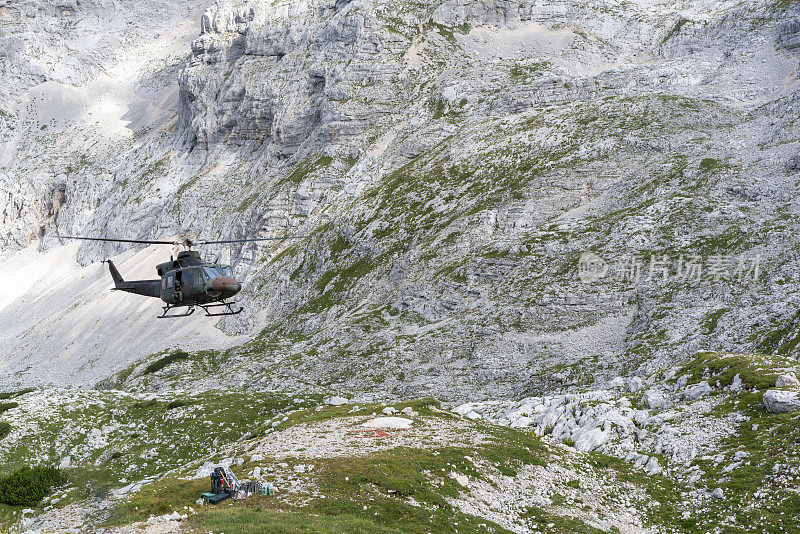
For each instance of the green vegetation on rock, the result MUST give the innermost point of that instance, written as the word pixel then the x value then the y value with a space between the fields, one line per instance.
pixel 161 363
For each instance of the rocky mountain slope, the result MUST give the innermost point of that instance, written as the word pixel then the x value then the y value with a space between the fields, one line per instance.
pixel 452 162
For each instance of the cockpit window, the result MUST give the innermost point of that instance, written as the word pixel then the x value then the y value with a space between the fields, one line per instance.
pixel 217 271
pixel 211 272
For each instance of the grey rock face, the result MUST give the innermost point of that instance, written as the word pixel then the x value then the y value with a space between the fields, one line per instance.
pixel 692 393
pixel 653 467
pixel 789 34
pixel 777 401
pixel 654 399
pixel 787 380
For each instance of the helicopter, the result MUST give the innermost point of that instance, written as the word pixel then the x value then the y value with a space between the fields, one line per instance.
pixel 186 281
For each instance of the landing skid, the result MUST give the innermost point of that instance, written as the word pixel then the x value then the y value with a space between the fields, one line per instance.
pixel 229 310
pixel 228 305
pixel 168 308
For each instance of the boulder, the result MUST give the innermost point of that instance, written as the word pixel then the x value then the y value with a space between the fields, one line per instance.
pixel 463 409
pixel 590 440
pixel 635 384
pixel 461 479
pixel 778 401
pixel 787 380
pixel 692 393
pixel 388 422
pixel 652 467
pixel 335 401
pixel 640 418
pixel 737 385
pixel 654 399
pixel 617 382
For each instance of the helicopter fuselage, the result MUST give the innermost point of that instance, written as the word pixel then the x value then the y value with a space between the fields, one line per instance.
pixel 187 281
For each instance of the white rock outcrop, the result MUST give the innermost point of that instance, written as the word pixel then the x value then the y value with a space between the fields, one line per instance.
pixel 692 393
pixel 778 401
pixel 787 380
pixel 388 423
pixel 654 399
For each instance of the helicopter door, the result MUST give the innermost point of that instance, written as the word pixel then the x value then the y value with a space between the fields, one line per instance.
pixel 166 284
pixel 178 293
pixel 190 279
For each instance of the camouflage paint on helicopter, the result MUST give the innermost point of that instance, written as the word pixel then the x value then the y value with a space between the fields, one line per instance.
pixel 186 282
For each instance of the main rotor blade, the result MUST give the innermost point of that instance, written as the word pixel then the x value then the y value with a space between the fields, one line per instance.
pixel 251 240
pixel 120 240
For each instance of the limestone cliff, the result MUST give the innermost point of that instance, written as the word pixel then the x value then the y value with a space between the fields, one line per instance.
pixel 454 163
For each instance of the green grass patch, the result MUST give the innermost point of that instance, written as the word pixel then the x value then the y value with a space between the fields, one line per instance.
pixel 178 403
pixel 549 522
pixel 308 167
pixel 521 71
pixel 709 324
pixel 163 362
pixel 371 493
pixel 5 429
pixel 709 164
pixel 755 370
pixel 5 406
pixel 781 339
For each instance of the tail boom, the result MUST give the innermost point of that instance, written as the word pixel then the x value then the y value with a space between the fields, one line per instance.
pixel 147 288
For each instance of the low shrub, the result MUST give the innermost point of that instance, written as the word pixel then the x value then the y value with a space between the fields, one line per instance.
pixel 5 429
pixel 29 485
pixel 5 406
pixel 159 364
pixel 148 403
pixel 11 394
pixel 176 404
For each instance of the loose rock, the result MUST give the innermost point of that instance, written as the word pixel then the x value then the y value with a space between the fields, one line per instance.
pixel 778 401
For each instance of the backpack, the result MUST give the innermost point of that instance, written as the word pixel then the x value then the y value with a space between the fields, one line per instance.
pixel 220 482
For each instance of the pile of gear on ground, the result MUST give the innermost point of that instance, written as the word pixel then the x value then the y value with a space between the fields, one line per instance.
pixel 224 485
